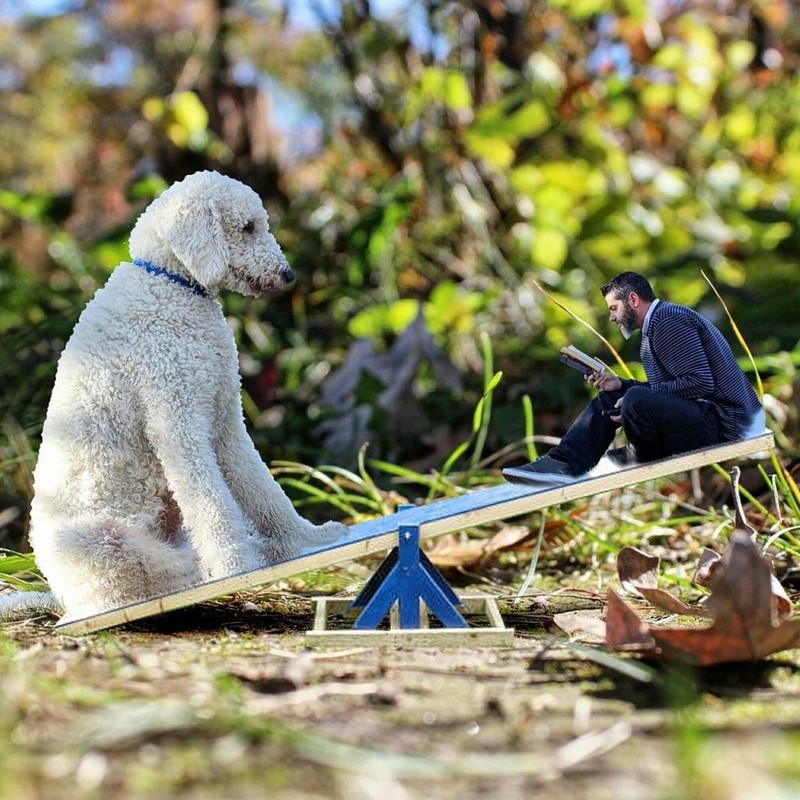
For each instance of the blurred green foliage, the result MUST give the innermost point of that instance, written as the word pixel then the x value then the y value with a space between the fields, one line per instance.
pixel 448 154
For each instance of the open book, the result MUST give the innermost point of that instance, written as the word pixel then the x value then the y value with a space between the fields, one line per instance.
pixel 578 360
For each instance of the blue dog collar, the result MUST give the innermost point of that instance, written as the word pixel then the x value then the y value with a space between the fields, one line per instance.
pixel 154 270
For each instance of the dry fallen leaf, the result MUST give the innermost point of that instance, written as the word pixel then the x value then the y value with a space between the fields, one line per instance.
pixel 706 576
pixel 667 602
pixel 638 574
pixel 451 551
pixel 748 616
pixel 636 570
pixel 706 567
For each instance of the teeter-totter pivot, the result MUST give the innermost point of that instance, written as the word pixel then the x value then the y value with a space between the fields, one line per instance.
pixel 408 587
pixel 407 577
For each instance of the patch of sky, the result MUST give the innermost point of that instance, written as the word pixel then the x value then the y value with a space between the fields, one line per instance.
pixel 115 70
pixel 301 127
pixel 610 56
pixel 16 9
pixel 311 14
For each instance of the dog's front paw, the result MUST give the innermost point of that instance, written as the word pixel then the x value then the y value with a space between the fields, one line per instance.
pixel 322 534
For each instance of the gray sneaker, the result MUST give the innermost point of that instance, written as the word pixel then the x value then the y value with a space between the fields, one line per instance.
pixel 545 469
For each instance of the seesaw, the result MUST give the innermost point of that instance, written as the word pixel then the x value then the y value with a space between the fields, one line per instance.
pixel 474 508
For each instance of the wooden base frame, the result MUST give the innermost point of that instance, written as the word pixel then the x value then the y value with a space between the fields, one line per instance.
pixel 496 635
pixel 471 509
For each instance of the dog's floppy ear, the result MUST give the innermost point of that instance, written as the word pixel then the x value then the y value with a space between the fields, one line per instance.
pixel 198 240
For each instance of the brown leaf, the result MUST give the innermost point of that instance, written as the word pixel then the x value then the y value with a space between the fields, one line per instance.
pixel 450 551
pixel 638 574
pixel 636 570
pixel 746 612
pixel 706 567
pixel 667 602
pixel 784 604
pixel 743 590
pixel 507 538
pixel 624 630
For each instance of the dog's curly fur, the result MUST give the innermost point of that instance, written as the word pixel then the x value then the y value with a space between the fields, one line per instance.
pixel 147 481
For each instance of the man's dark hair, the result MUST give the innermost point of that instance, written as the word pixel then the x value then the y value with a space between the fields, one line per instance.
pixel 622 285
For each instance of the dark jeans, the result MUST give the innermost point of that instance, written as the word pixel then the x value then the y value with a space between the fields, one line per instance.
pixel 657 424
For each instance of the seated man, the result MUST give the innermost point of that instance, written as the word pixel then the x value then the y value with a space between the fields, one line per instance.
pixel 696 395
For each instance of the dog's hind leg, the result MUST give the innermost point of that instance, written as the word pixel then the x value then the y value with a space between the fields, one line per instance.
pixel 109 564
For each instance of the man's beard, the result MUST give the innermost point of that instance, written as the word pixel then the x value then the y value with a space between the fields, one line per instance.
pixel 627 323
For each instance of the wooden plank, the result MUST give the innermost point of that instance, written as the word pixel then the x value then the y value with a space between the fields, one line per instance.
pixel 418 637
pixel 493 612
pixel 471 509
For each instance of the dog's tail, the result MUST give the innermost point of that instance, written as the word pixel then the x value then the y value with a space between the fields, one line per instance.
pixel 24 605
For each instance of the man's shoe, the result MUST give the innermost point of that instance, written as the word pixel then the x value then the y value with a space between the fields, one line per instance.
pixel 623 456
pixel 544 470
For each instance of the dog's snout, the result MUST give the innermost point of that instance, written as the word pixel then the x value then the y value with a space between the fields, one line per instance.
pixel 288 275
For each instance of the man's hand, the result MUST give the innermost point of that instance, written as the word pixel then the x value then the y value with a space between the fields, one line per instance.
pixel 604 381
pixel 607 382
pixel 616 415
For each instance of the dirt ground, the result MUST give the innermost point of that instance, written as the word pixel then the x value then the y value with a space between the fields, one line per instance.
pixel 227 701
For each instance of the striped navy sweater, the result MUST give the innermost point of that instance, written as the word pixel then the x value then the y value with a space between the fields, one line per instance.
pixel 684 354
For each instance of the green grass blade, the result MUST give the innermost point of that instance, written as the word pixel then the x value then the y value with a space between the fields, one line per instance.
pixel 738 335
pixel 617 357
pixel 490 381
pixel 530 442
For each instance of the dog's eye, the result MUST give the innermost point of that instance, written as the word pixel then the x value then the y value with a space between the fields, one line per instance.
pixel 249 226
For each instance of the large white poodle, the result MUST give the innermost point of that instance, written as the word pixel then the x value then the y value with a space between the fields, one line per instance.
pixel 147 481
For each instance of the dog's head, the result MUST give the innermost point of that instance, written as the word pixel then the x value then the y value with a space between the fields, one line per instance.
pixel 214 230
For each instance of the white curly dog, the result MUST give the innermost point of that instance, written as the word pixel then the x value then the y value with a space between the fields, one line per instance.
pixel 147 481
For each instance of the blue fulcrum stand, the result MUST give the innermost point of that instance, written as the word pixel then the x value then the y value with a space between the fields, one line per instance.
pixel 407 577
